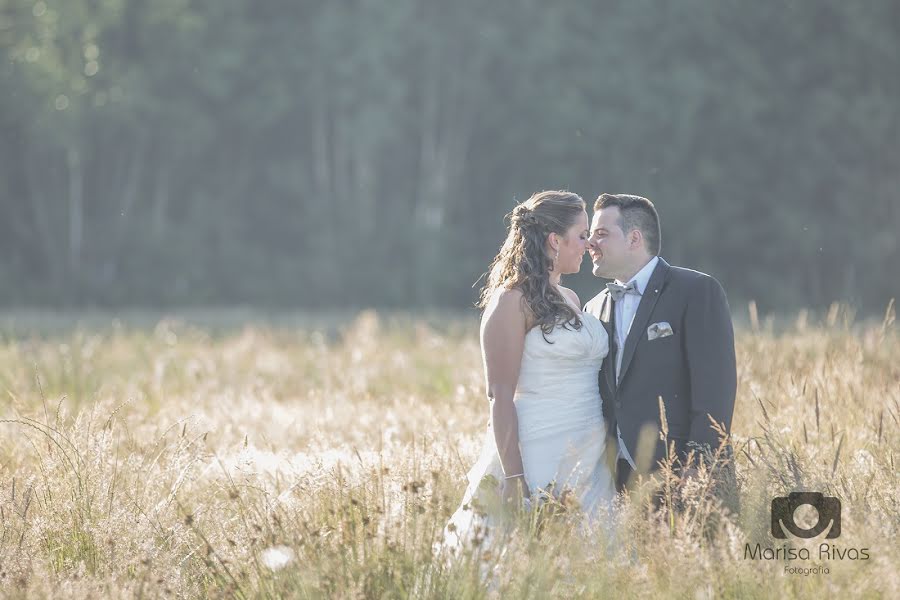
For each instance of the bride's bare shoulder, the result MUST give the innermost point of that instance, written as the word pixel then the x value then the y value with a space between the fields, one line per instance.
pixel 506 300
pixel 507 304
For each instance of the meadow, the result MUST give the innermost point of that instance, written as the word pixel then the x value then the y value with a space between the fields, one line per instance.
pixel 321 458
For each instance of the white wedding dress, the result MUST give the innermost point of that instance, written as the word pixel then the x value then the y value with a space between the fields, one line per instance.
pixel 562 435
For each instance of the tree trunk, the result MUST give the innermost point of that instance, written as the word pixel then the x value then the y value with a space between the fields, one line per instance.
pixel 447 120
pixel 160 219
pixel 38 195
pixel 76 210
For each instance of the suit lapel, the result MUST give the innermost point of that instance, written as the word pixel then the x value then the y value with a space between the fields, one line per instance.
pixel 648 301
pixel 607 317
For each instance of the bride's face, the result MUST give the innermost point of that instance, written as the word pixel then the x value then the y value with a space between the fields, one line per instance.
pixel 573 245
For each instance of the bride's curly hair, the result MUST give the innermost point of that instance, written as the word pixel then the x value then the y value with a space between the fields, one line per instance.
pixel 523 262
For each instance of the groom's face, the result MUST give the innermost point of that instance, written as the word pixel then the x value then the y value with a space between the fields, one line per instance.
pixel 608 246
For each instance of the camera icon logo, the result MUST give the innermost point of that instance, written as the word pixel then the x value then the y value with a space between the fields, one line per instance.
pixel 783 507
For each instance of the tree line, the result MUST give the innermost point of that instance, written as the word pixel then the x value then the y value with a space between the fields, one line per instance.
pixel 363 153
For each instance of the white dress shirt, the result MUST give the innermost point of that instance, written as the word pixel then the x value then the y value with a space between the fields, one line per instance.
pixel 625 309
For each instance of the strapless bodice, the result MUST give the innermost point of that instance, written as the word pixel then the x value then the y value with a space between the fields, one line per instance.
pixel 558 386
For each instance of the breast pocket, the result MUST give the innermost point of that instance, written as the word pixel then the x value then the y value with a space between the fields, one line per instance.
pixel 662 343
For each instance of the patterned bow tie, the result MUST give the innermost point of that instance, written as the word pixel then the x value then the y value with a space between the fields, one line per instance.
pixel 618 291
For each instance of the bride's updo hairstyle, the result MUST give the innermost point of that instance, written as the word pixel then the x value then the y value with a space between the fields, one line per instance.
pixel 523 261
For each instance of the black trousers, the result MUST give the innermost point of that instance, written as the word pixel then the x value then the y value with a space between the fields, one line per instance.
pixel 623 474
pixel 625 478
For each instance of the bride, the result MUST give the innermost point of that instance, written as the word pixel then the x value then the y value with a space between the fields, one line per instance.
pixel 542 356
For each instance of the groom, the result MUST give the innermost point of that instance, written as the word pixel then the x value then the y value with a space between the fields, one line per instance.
pixel 670 337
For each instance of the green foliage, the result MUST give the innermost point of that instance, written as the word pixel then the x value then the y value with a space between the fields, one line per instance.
pixel 364 153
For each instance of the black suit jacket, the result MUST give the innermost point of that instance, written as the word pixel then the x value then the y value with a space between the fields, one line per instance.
pixel 693 370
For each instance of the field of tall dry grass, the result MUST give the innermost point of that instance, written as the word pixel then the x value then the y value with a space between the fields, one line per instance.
pixel 318 460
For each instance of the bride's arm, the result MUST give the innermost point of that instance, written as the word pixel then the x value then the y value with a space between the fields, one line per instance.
pixel 503 331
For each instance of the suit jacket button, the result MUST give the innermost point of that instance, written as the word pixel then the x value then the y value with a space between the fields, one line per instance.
pixel 618 404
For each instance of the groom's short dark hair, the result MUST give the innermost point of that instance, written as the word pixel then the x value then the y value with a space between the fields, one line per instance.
pixel 635 212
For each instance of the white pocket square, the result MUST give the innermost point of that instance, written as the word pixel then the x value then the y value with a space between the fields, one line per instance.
pixel 659 330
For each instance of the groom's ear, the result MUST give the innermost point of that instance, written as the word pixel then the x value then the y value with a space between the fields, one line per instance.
pixel 635 238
